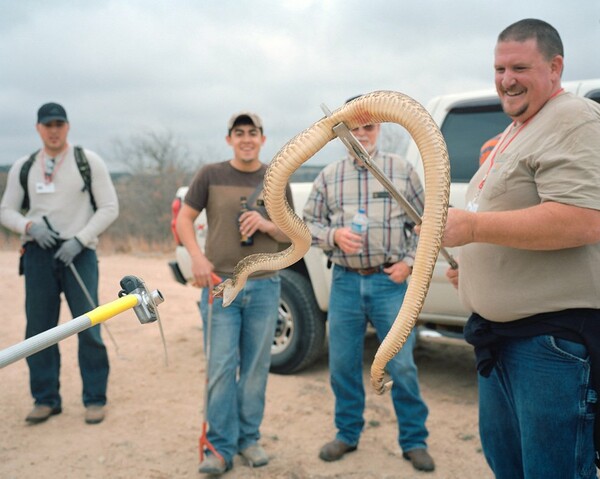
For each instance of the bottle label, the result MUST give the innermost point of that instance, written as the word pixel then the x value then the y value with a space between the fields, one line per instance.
pixel 358 228
pixel 245 240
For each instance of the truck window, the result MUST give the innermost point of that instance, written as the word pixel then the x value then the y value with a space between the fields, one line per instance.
pixel 594 95
pixel 465 129
pixel 306 173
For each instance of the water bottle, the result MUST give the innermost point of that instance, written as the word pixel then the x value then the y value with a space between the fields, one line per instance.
pixel 359 225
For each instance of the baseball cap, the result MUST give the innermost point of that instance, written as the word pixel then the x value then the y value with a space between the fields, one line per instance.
pixel 51 111
pixel 253 117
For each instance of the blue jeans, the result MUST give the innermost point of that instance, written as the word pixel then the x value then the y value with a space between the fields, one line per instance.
pixel 536 411
pixel 356 299
pixel 240 356
pixel 45 279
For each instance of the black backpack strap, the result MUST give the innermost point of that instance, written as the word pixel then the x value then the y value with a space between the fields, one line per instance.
pixel 23 175
pixel 83 166
pixel 86 174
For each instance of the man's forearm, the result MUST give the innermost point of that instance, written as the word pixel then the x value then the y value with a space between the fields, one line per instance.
pixel 188 239
pixel 545 227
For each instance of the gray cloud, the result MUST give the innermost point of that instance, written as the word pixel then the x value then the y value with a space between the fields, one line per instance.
pixel 121 67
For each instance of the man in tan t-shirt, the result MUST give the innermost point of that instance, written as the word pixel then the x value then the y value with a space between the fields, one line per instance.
pixel 242 333
pixel 529 266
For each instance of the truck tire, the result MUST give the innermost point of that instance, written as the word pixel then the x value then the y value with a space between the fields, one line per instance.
pixel 300 334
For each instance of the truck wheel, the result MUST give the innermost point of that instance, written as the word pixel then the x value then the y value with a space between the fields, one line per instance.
pixel 300 334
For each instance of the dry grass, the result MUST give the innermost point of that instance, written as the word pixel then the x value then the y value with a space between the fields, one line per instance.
pixel 108 245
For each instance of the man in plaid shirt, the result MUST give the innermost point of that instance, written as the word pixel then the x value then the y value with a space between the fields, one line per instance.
pixel 369 283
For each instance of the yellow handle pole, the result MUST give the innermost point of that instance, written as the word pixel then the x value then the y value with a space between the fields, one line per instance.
pixel 76 325
pixel 107 311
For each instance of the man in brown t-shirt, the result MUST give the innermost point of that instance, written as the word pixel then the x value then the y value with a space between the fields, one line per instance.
pixel 242 333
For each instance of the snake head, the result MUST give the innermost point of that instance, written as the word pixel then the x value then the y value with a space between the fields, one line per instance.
pixel 226 290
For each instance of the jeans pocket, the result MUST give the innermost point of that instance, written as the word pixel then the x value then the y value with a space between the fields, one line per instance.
pixel 570 348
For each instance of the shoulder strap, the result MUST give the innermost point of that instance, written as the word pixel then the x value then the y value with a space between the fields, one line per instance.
pixel 23 175
pixel 83 166
pixel 84 170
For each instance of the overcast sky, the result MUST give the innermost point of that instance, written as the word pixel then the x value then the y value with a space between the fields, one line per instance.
pixel 125 67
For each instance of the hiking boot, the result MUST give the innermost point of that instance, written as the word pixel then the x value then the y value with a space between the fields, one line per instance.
pixel 420 459
pixel 255 455
pixel 213 465
pixel 94 414
pixel 41 413
pixel 335 450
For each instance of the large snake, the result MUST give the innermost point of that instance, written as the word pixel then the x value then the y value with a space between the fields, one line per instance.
pixel 375 107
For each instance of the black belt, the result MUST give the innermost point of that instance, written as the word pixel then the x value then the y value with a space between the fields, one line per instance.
pixel 368 271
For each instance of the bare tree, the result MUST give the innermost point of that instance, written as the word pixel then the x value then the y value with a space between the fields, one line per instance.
pixel 152 152
pixel 156 164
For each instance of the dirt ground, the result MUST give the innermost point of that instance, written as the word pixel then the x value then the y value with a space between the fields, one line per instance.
pixel 154 413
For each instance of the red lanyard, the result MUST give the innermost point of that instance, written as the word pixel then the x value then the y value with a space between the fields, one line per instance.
pixel 499 145
pixel 50 177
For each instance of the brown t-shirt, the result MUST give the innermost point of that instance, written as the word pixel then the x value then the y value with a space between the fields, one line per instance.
pixel 218 187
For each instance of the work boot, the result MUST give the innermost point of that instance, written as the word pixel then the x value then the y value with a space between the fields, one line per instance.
pixel 94 414
pixel 420 459
pixel 213 465
pixel 335 450
pixel 41 413
pixel 255 455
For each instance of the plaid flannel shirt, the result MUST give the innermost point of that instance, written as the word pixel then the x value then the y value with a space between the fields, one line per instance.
pixel 342 188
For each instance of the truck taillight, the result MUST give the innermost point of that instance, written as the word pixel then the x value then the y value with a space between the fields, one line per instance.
pixel 175 207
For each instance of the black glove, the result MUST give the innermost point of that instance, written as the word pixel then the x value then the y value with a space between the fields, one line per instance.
pixel 42 235
pixel 68 250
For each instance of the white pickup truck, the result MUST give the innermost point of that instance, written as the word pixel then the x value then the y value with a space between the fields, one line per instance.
pixel 466 120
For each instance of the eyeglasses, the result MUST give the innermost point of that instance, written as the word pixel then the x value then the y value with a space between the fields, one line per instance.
pixel 365 127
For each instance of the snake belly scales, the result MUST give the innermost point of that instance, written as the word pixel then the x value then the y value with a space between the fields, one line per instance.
pixel 375 107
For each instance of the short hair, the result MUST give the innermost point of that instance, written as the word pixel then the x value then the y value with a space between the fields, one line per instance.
pixel 547 37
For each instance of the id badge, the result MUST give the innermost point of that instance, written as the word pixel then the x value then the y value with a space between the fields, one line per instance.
pixel 42 188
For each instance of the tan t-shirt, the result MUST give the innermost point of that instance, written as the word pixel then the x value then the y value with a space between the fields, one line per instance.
pixel 555 157
pixel 218 187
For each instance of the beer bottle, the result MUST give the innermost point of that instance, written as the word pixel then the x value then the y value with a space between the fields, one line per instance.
pixel 244 239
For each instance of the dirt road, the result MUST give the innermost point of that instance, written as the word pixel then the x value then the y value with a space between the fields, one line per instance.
pixel 154 411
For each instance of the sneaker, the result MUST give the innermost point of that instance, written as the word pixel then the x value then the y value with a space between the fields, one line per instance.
pixel 94 414
pixel 335 450
pixel 213 465
pixel 420 459
pixel 255 455
pixel 41 413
